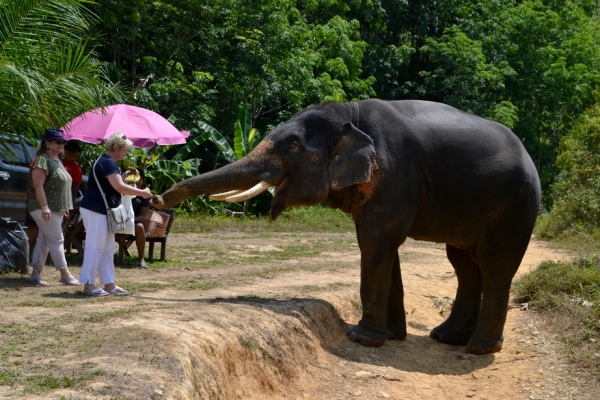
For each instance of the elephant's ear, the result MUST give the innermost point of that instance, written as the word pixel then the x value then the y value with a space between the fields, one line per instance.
pixel 352 159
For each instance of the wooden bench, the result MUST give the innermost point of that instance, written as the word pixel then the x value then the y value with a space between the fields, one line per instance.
pixel 125 241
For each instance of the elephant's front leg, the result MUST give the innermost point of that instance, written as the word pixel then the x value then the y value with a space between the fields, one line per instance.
pixel 380 291
pixel 396 316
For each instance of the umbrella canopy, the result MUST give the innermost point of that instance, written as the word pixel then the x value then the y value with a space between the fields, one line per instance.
pixel 143 127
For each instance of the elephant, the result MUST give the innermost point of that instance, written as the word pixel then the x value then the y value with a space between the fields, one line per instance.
pixel 404 168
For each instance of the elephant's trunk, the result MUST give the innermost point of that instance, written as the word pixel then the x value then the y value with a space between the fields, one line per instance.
pixel 236 176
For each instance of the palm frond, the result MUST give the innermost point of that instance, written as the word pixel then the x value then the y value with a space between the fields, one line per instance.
pixel 48 72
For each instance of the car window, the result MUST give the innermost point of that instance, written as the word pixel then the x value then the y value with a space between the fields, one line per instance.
pixel 16 153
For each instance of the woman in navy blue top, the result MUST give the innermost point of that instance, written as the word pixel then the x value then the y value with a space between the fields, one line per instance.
pixel 98 256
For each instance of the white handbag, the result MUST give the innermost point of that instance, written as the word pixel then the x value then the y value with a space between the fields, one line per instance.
pixel 119 219
pixel 130 222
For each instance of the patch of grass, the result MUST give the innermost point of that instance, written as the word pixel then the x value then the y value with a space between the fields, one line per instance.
pixel 357 305
pixel 204 285
pixel 9 377
pixel 97 372
pixel 32 303
pixel 568 294
pixel 36 383
pixel 49 381
pixel 16 289
pixel 266 272
pixel 337 285
pixel 105 316
pixel 315 219
pixel 249 343
pixel 47 303
pixel 282 254
pixel 146 286
pixel 329 286
pixel 306 219
pixel 311 288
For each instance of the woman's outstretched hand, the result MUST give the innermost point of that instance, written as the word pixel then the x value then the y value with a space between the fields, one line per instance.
pixel 147 193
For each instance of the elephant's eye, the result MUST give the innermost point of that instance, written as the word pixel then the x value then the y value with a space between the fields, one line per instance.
pixel 294 146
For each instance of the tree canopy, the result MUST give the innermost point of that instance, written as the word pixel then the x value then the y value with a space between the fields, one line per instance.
pixel 529 64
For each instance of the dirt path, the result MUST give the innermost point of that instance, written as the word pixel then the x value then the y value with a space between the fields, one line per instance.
pixel 256 321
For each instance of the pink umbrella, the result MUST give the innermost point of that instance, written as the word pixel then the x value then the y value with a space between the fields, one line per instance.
pixel 143 127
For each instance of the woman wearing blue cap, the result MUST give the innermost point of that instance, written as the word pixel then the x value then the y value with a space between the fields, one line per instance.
pixel 49 205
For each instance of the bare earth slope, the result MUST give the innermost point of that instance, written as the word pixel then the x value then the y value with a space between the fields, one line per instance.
pixel 264 317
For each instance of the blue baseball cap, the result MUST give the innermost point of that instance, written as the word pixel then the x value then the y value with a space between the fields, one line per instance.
pixel 54 134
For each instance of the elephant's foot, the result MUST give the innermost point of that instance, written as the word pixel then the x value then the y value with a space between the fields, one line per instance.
pixel 367 336
pixel 451 334
pixel 395 331
pixel 482 344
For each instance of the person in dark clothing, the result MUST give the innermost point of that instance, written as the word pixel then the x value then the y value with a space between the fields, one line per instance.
pixel 141 207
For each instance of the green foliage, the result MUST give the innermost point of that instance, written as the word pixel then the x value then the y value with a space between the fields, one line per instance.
pixel 569 295
pixel 48 70
pixel 531 65
pixel 245 137
pixel 545 286
pixel 463 77
pixel 166 173
pixel 267 55
pixel 577 189
pixel 219 141
pixel 244 134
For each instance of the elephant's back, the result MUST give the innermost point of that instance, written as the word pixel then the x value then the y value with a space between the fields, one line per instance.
pixel 444 136
pixel 462 164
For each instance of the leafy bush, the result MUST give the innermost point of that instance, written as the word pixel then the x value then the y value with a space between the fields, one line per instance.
pixel 545 286
pixel 576 192
pixel 569 296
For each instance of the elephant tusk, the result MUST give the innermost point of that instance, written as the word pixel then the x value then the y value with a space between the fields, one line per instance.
pixel 224 195
pixel 250 193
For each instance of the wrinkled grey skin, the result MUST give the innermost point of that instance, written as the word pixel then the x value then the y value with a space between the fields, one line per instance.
pixel 404 169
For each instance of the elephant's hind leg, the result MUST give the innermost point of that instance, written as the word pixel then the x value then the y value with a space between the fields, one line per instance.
pixel 459 326
pixel 499 259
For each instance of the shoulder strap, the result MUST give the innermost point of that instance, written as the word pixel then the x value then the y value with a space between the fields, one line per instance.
pixel 98 183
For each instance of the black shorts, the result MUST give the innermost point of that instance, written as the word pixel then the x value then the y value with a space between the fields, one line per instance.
pixel 28 220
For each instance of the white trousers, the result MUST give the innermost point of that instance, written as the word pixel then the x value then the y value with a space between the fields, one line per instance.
pixel 98 255
pixel 50 240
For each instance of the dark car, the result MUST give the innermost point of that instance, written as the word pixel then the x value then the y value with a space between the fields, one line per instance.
pixel 15 157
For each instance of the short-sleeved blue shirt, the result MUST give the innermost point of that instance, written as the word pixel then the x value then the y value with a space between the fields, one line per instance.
pixel 92 199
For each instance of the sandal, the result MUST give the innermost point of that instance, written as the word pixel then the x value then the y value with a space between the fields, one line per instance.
pixel 96 292
pixel 119 291
pixel 37 281
pixel 143 265
pixel 71 281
